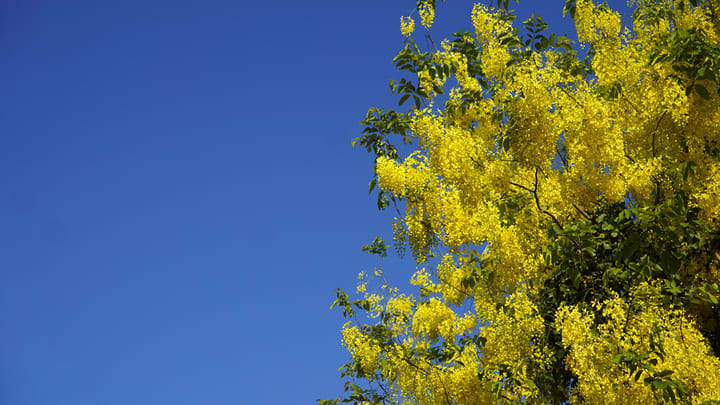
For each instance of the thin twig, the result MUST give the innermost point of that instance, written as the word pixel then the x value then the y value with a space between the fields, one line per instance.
pixel 400 215
pixel 632 105
pixel 387 394
pixel 477 163
pixel 464 293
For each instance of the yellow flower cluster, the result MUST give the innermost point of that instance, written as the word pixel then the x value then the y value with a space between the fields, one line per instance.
pixel 452 275
pixel 596 23
pixel 512 328
pixel 591 352
pixel 407 26
pixel 423 279
pixel 487 28
pixel 427 14
pixel 410 178
pixel 362 348
pixel 434 319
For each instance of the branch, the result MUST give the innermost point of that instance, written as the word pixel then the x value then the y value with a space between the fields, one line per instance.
pixel 477 163
pixel 447 397
pixel 537 203
pixel 522 187
pixel 562 158
pixel 582 212
pixel 534 192
pixel 627 314
pixel 569 95
pixel 655 131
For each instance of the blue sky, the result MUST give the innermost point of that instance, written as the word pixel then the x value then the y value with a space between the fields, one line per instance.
pixel 178 194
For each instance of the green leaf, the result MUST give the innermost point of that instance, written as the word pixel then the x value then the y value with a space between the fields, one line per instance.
pixel 569 7
pixel 702 91
pixel 417 102
pixel 671 394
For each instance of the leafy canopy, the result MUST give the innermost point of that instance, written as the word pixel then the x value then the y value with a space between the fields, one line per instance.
pixel 561 203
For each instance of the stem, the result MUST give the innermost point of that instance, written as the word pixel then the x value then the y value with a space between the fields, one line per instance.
pixel 427 33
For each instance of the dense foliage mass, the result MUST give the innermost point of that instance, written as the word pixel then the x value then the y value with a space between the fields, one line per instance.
pixel 562 204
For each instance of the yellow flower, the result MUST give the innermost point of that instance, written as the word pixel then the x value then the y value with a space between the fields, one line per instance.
pixel 407 26
pixel 427 14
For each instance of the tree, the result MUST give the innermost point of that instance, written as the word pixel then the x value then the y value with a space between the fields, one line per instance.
pixel 561 202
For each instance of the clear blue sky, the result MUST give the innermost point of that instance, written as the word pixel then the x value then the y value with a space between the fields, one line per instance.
pixel 178 194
